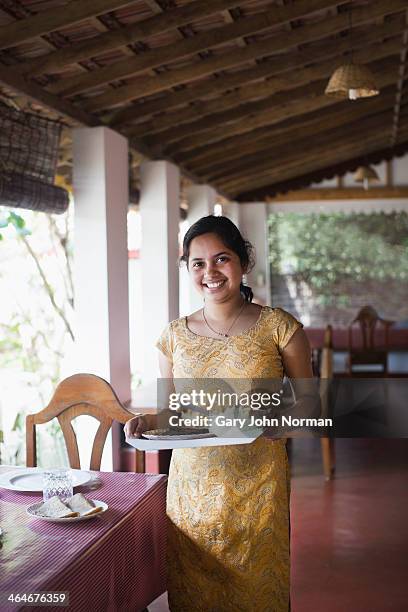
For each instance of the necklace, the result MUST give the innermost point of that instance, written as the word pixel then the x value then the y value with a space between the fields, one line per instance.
pixel 224 334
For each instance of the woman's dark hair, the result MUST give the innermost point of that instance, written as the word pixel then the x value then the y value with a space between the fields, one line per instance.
pixel 230 235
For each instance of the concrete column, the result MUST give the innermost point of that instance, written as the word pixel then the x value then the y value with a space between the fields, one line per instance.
pixel 253 226
pixel 201 201
pixel 160 215
pixel 231 210
pixel 100 182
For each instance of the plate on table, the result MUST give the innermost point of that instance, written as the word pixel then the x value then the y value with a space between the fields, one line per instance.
pixel 31 479
pixel 32 511
pixel 181 433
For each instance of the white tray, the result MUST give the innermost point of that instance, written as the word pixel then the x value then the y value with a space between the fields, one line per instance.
pixel 147 445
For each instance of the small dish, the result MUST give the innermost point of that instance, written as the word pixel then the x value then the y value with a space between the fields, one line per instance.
pixel 31 511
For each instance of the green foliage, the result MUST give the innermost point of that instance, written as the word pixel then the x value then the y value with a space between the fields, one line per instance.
pixel 324 249
pixel 12 219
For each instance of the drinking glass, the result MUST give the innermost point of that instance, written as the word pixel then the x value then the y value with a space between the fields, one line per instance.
pixel 57 482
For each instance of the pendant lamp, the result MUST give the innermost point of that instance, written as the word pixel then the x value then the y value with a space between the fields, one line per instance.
pixel 366 175
pixel 352 81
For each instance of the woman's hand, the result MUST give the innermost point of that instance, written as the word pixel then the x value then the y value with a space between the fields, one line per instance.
pixel 139 424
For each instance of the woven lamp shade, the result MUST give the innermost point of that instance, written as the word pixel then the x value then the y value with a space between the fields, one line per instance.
pixel 352 81
pixel 366 173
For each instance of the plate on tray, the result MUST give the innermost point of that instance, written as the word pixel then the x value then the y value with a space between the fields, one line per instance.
pixel 31 479
pixel 181 433
pixel 31 511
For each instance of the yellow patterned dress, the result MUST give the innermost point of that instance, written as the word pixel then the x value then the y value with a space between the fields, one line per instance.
pixel 228 506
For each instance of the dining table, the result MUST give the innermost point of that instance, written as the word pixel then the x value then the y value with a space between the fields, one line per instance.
pixel 113 562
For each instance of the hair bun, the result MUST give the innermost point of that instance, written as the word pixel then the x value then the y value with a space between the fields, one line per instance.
pixel 246 292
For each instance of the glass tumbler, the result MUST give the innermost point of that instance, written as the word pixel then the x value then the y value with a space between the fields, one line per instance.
pixel 57 482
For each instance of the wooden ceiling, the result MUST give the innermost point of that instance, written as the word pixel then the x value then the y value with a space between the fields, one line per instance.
pixel 231 91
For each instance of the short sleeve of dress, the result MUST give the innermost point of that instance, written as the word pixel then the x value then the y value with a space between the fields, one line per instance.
pixel 286 325
pixel 165 343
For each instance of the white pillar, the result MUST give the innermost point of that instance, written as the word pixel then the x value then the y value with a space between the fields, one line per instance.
pixel 201 202
pixel 231 210
pixel 160 215
pixel 100 181
pixel 253 226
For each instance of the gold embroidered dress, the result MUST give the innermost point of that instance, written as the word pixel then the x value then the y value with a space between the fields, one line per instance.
pixel 228 542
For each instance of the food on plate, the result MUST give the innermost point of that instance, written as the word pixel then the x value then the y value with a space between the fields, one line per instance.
pixel 79 503
pixel 177 431
pixel 55 508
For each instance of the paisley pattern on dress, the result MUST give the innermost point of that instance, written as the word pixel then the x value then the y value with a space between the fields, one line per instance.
pixel 228 506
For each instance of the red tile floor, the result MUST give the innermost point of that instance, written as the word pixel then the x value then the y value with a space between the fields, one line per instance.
pixel 349 536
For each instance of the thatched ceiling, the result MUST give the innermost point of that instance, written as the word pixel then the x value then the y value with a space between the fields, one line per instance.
pixel 231 91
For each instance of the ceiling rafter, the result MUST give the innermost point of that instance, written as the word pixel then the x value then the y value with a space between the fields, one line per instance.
pixel 400 84
pixel 312 127
pixel 171 127
pixel 266 159
pixel 176 51
pixel 285 62
pixel 268 111
pixel 229 149
pixel 144 86
pixel 49 20
pixel 161 22
pixel 319 157
pixel 345 151
pixel 334 169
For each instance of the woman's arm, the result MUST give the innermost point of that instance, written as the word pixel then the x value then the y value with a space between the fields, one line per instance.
pixel 140 423
pixel 297 363
pixel 297 356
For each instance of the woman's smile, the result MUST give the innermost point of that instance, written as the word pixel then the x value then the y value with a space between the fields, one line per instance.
pixel 214 286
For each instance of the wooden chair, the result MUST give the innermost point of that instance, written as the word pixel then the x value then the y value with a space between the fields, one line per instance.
pixel 326 374
pixel 368 353
pixel 80 394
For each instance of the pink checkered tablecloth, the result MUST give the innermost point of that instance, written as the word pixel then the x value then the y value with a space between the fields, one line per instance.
pixel 114 562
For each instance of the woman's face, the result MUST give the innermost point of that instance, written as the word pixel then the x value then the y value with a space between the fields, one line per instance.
pixel 215 270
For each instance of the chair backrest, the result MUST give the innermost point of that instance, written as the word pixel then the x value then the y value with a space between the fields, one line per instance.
pixel 80 394
pixel 326 369
pixel 367 321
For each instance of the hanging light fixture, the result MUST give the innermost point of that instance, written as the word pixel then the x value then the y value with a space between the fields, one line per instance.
pixel 366 175
pixel 352 81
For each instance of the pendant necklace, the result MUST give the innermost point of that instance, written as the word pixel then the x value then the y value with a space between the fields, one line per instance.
pixel 224 334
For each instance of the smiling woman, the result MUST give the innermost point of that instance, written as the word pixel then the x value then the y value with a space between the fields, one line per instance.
pixel 228 505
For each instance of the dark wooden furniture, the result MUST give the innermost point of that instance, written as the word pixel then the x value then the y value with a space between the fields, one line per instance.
pixel 364 348
pixel 326 373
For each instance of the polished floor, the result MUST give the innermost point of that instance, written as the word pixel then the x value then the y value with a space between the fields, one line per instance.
pixel 349 536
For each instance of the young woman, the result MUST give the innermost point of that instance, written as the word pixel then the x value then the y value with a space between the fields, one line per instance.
pixel 228 505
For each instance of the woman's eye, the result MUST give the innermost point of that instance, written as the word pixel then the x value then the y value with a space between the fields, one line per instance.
pixel 222 259
pixel 197 264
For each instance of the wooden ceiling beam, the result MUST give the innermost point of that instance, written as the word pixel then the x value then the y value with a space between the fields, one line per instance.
pixel 318 158
pixel 50 20
pixel 159 23
pixel 177 51
pixel 273 66
pixel 275 157
pixel 144 86
pixel 400 84
pixel 303 179
pixel 10 78
pixel 346 193
pixel 343 153
pixel 172 127
pixel 312 128
pixel 269 111
pixel 231 150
